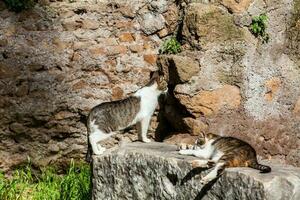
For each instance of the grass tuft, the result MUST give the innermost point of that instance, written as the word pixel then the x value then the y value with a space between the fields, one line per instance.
pixel 170 46
pixel 258 27
pixel 48 184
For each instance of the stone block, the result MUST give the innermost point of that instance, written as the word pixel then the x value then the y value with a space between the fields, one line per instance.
pixel 156 171
pixel 211 102
pixel 177 68
pixel 151 23
pixel 126 37
pixel 204 24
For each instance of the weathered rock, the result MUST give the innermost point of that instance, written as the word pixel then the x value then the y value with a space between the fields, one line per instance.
pixel 157 171
pixel 211 102
pixel 236 6
pixel 185 138
pixel 272 87
pixel 159 6
pixel 171 16
pixel 90 24
pixel 205 24
pixel 151 23
pixel 126 37
pixel 178 69
pixel 150 58
pixel 297 107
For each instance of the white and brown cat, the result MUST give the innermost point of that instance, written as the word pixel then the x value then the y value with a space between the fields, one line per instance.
pixel 221 152
pixel 107 118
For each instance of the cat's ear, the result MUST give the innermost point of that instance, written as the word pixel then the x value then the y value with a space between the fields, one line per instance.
pixel 210 136
pixel 154 75
pixel 202 135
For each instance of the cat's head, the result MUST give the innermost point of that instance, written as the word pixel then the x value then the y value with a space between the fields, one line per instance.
pixel 204 138
pixel 159 79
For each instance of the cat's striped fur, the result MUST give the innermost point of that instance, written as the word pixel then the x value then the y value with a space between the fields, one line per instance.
pixel 222 152
pixel 107 118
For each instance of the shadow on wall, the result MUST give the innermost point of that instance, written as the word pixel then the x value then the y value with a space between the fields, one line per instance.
pixel 36 72
pixel 56 62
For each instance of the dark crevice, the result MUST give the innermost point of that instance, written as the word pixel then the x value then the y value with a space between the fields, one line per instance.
pixel 83 118
pixel 5 55
pixel 172 178
pixel 179 35
pixel 172 112
pixel 35 123
pixel 80 11
pixel 169 124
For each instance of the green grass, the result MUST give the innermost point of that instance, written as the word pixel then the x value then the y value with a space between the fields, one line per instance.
pixel 47 184
pixel 170 46
pixel 258 27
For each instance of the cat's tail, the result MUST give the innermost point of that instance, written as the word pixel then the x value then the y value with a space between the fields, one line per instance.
pixel 260 167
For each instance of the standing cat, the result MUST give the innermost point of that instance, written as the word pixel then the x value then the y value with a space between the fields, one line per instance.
pixel 106 118
pixel 221 152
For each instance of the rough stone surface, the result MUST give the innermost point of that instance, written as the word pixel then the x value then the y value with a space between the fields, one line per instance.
pixel 236 6
pixel 157 171
pixel 205 23
pixel 211 102
pixel 152 23
pixel 178 69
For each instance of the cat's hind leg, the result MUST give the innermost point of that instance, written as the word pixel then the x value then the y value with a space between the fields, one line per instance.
pixel 202 163
pixel 96 137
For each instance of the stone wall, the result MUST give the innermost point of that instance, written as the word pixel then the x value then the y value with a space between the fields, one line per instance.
pixel 61 58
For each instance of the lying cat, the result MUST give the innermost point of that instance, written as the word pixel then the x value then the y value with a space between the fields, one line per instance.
pixel 107 118
pixel 221 152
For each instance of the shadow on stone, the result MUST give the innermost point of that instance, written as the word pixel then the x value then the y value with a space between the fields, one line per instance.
pixel 205 189
pixel 192 174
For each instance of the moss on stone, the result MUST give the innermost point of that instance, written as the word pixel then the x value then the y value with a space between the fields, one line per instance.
pixel 207 24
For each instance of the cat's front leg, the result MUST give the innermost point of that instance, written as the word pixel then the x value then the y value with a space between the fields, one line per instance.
pixel 190 152
pixel 143 129
pixel 94 139
pixel 199 153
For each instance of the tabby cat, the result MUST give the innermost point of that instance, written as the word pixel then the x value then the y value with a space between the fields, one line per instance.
pixel 221 152
pixel 107 118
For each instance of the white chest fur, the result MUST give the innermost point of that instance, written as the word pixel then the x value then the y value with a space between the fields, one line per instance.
pixel 149 101
pixel 210 152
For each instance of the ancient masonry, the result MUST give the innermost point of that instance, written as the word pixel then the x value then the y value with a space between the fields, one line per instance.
pixel 61 58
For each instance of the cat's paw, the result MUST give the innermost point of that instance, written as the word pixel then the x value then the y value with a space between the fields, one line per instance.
pixel 98 153
pixel 146 140
pixel 100 150
pixel 180 146
pixel 204 181
pixel 183 146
